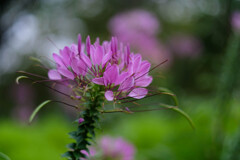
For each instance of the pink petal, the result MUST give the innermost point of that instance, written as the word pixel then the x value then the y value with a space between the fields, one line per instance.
pixel 106 58
pixel 127 54
pixel 79 43
pixel 98 55
pixel 82 67
pixel 58 60
pixel 99 81
pixel 97 42
pixel 66 73
pixel 130 68
pixel 66 55
pixel 86 60
pixel 54 75
pixel 92 54
pixel 88 44
pixel 109 95
pixel 127 84
pixel 74 65
pixel 143 81
pixel 122 77
pixel 137 62
pixel 74 49
pixel 80 120
pixel 138 93
pixel 144 69
pixel 111 74
pixel 114 44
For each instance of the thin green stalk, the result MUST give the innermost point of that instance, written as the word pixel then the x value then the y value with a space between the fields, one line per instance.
pixel 85 132
pixel 226 87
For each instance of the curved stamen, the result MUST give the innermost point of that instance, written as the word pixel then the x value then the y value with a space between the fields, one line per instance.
pixel 32 74
pixel 152 69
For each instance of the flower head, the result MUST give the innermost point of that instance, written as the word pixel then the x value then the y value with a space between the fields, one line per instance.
pixel 117 148
pixel 139 28
pixel 111 148
pixel 184 45
pixel 110 65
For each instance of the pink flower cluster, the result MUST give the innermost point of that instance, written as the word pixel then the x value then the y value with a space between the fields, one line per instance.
pixel 110 64
pixel 117 148
pixel 184 45
pixel 112 148
pixel 140 28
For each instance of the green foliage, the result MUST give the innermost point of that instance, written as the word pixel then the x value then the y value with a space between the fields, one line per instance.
pixel 85 132
pixel 156 135
pixel 44 140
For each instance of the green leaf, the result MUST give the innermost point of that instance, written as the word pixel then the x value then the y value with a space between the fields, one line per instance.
pixel 4 156
pixel 73 134
pixel 67 154
pixel 20 77
pixel 37 109
pixel 71 145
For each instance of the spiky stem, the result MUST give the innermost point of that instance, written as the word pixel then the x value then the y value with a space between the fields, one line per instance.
pixel 86 130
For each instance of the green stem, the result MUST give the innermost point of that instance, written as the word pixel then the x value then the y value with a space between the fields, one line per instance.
pixel 85 132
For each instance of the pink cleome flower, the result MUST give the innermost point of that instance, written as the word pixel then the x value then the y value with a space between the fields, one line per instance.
pixel 116 148
pixel 110 64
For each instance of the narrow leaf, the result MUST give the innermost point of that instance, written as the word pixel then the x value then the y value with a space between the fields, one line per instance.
pixel 20 77
pixel 67 154
pixel 4 156
pixel 37 109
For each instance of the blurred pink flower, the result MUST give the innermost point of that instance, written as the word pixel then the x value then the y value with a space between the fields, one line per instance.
pixel 235 21
pixel 111 148
pixel 139 28
pixel 117 148
pixel 92 153
pixel 23 97
pixel 136 21
pixel 185 46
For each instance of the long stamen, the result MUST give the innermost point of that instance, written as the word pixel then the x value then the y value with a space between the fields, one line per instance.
pixel 152 69
pixel 65 104
pixel 32 74
pixel 52 42
pixel 50 88
pixel 139 99
pixel 41 66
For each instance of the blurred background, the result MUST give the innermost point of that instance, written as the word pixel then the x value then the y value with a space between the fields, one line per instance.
pixel 199 38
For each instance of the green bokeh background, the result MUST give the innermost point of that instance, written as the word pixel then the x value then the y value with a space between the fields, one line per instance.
pixel 207 86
